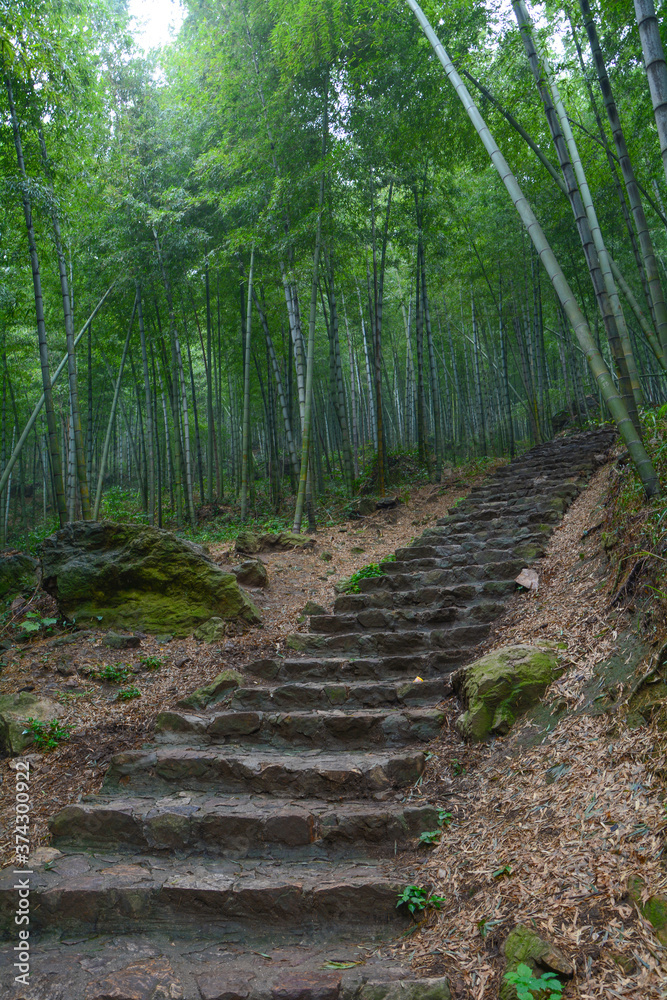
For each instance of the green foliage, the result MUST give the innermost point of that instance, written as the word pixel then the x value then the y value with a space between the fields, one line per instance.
pixel 128 693
pixel 34 623
pixel 528 987
pixel 418 899
pixel 350 585
pixel 48 735
pixel 430 837
pixel 152 662
pixel 112 673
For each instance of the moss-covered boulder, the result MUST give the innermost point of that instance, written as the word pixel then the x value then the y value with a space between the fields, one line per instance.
pixel 14 710
pixel 524 946
pixel 214 630
pixel 18 573
pixel 219 688
pixel 498 687
pixel 139 578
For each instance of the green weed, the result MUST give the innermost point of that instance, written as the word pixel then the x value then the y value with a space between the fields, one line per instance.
pixel 128 693
pixel 547 987
pixel 112 673
pixel 417 899
pixel 47 735
pixel 152 662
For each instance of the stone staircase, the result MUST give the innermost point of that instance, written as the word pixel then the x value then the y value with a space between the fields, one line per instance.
pixel 247 855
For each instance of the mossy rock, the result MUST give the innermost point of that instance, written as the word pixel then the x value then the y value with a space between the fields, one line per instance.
pixel 213 630
pixel 248 543
pixel 653 909
pixel 287 540
pixel 525 946
pixel 14 710
pixel 498 687
pixel 18 573
pixel 138 578
pixel 222 685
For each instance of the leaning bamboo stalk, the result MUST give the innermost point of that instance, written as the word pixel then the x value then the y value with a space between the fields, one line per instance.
pixel 656 68
pixel 40 402
pixel 600 372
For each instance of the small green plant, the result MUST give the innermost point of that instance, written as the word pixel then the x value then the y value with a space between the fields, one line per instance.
pixel 128 693
pixel 444 818
pixel 47 735
pixel 152 662
pixel 34 622
pixel 417 899
pixel 112 673
pixel 501 871
pixel 457 767
pixel 351 584
pixel 430 837
pixel 547 987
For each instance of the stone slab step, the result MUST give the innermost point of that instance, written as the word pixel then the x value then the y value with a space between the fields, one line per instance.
pixel 456 597
pixel 341 694
pixel 242 826
pixel 227 770
pixel 333 728
pixel 406 618
pixel 392 643
pixel 131 894
pixel 276 966
pixel 348 669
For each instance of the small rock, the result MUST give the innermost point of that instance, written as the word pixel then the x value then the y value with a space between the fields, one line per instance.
pixel 326 556
pixel 524 945
pixel 223 684
pixel 163 638
pixel 311 608
pixel 118 640
pixel 42 855
pixel 181 661
pixel 357 550
pixel 251 573
pixel 64 640
pixel 654 909
pixel 385 503
pixel 17 604
pixel 14 710
pixel 211 631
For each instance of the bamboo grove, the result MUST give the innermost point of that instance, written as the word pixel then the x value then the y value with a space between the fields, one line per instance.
pixel 276 259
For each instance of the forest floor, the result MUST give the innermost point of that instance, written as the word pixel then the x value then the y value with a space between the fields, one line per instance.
pixel 547 825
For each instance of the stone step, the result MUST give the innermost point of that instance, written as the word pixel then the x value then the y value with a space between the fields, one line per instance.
pixel 345 669
pixel 89 893
pixel 242 826
pixel 334 729
pixel 341 694
pixel 238 770
pixel 268 965
pixel 404 619
pixel 443 597
pixel 464 570
pixel 392 643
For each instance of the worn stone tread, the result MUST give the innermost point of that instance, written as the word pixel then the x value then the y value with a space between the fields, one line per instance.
pixel 239 825
pixel 303 773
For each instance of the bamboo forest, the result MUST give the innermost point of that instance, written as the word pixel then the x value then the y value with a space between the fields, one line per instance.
pixel 274 258
pixel 333 499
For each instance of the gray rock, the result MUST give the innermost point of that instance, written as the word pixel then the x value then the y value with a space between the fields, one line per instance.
pixel 211 631
pixel 14 710
pixel 116 640
pixel 252 573
pixel 18 573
